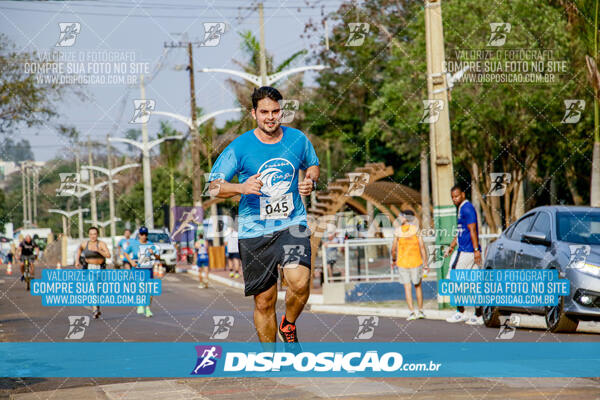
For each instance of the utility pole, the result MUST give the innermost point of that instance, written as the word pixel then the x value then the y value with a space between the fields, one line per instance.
pixel 28 183
pixel 24 194
pixel 148 207
pixel 34 178
pixel 195 142
pixel 92 192
pixel 111 197
pixel 197 183
pixel 442 172
pixel 80 215
pixel 263 57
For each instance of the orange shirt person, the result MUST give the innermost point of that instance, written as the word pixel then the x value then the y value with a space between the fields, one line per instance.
pixel 409 261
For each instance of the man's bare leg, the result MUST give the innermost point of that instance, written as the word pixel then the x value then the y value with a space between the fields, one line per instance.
pixel 265 320
pixel 419 291
pixel 298 290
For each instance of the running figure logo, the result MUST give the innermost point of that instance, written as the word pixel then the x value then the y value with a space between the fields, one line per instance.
pixel 77 325
pixel 223 325
pixel 69 181
pixel 68 33
pixel 500 31
pixel 573 110
pixel 358 182
pixel 288 110
pixel 579 253
pixel 358 33
pixel 500 181
pixel 292 254
pixel 212 34
pixel 366 326
pixel 207 359
pixel 142 111
pixel 508 328
pixel 431 111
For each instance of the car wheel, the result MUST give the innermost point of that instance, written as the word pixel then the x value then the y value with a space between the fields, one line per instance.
pixel 491 316
pixel 558 321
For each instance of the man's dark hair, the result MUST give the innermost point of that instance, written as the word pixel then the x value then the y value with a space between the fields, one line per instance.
pixel 94 228
pixel 408 212
pixel 458 186
pixel 264 92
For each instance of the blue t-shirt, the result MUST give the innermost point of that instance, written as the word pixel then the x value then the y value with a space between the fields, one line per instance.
pixel 124 245
pixel 466 215
pixel 278 164
pixel 143 253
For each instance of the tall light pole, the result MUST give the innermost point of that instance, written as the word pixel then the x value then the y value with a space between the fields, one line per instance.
pixel 111 196
pixel 23 183
pixel 263 55
pixel 67 215
pixel 145 147
pixel 270 79
pixel 79 194
pixel 103 225
pixel 92 192
pixel 194 125
pixel 442 173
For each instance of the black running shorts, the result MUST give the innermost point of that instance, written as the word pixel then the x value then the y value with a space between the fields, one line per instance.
pixel 261 256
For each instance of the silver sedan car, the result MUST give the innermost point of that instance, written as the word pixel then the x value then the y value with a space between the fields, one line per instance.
pixel 565 238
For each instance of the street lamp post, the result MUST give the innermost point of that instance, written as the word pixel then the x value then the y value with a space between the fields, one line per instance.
pixel 67 217
pixel 270 79
pixel 111 196
pixel 145 147
pixel 103 225
pixel 194 125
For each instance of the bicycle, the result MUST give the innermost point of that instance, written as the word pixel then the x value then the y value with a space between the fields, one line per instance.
pixel 27 271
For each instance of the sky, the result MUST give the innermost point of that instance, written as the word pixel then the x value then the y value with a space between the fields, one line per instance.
pixel 134 32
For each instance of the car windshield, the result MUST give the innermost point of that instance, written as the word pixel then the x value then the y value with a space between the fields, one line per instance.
pixel 158 238
pixel 582 227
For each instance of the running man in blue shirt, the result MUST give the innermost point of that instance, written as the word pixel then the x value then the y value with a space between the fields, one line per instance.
pixel 272 219
pixel 143 254
pixel 123 245
pixel 469 252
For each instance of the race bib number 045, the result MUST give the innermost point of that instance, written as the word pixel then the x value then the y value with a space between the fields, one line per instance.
pixel 276 207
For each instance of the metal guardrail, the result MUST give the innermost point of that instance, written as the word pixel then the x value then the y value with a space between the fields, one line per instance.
pixel 356 243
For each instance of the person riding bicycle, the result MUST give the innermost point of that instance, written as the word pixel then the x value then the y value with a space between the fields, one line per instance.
pixel 27 250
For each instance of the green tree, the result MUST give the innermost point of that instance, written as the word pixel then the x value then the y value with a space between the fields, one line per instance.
pixel 496 127
pixel 24 98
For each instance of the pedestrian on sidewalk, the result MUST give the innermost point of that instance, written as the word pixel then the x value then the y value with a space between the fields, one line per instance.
pixel 469 251
pixel 233 254
pixel 409 261
pixel 201 252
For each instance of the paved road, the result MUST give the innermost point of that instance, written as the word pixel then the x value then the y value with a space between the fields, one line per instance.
pixel 184 313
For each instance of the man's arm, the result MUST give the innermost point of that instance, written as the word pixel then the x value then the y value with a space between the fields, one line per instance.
pixel 450 248
pixel 312 175
pixel 475 240
pixel 223 189
pixel 424 255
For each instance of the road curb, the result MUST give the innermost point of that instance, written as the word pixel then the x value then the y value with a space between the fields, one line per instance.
pixel 380 311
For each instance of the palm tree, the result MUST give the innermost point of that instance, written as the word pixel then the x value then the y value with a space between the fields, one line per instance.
pixel 292 87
